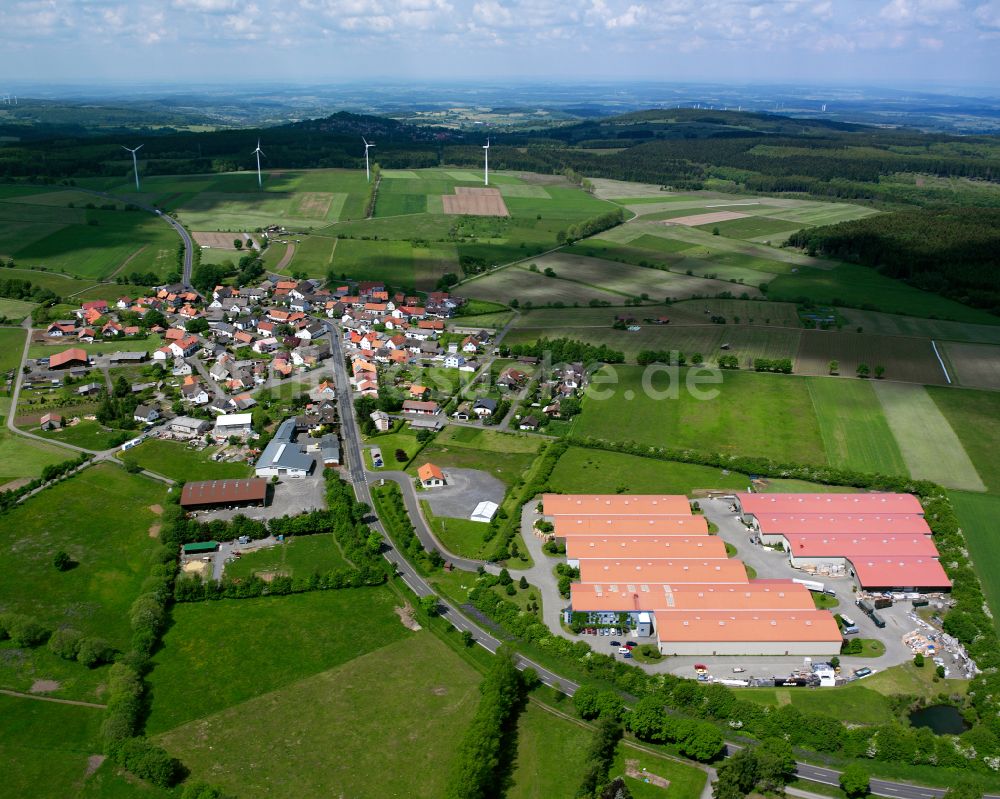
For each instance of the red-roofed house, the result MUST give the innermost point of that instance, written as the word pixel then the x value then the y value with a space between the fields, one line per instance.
pixel 68 358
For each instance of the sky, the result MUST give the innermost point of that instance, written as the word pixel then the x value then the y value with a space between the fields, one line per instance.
pixel 885 42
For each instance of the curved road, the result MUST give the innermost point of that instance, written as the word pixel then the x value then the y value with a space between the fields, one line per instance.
pixel 177 226
pixel 359 478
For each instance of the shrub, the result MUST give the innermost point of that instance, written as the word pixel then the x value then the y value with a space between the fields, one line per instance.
pixel 94 651
pixel 65 642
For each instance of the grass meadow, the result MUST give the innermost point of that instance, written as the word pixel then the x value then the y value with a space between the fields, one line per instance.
pixel 588 471
pixel 177 461
pixel 217 655
pixel 977 513
pixel 11 345
pixel 46 750
pixel 15 310
pixel 464 537
pixel 297 556
pixel 23 458
pixel 778 422
pixel 929 445
pixel 85 433
pixel 101 517
pixel 382 723
pixel 854 430
pixel 507 456
pixel 974 416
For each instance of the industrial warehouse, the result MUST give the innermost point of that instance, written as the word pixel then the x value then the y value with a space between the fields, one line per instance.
pixel 881 540
pixel 209 494
pixel 651 560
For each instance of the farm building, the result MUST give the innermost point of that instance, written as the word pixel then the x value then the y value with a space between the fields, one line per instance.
pixel 882 540
pixel 649 562
pixel 200 548
pixel 282 456
pixel 188 426
pixel 420 407
pixel 51 421
pixel 68 358
pixel 430 476
pixel 233 424
pixel 205 494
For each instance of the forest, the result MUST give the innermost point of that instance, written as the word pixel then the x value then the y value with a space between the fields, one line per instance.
pixel 954 252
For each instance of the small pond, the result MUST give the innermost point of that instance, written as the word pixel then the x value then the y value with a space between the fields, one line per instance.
pixel 940 719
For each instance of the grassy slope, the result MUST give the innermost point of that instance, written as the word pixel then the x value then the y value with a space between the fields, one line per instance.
pixel 101 518
pixel 11 345
pixel 219 654
pixel 779 423
pixel 20 457
pixel 855 432
pixel 387 723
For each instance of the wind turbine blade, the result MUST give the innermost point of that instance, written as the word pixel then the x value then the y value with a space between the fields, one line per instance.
pixel 125 148
pixel 139 147
pixel 365 141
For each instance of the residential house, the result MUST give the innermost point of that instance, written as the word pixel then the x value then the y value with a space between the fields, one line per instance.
pixel 147 414
pixel 421 408
pixel 51 421
pixel 382 421
pixel 484 406
pixel 430 476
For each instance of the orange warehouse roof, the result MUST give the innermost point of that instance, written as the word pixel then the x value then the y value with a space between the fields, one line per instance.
pixel 671 546
pixel 900 572
pixel 663 570
pixel 67 356
pixel 829 503
pixel 748 625
pixel 616 505
pixel 781 595
pixel 862 545
pixel 851 523
pixel 629 525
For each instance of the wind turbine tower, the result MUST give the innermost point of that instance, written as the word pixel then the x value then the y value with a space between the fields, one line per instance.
pixel 135 163
pixel 368 173
pixel 259 152
pixel 486 168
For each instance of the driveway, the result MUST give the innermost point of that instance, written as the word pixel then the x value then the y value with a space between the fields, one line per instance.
pixel 465 489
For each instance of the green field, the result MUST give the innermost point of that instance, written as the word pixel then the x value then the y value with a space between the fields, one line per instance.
pixel 220 654
pixel 87 434
pixel 855 433
pixel 179 462
pixel 147 344
pixel 850 284
pixel 592 471
pixel 977 514
pixel 507 456
pixel 975 418
pixel 550 758
pixel 384 723
pixel 463 537
pixel 778 423
pixel 11 346
pixel 101 518
pixel 388 443
pixel 24 458
pixel 926 440
pixel 45 749
pixel 298 556
pixel 15 310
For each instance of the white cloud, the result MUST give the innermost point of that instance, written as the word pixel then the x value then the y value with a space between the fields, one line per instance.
pixel 206 6
pixel 988 15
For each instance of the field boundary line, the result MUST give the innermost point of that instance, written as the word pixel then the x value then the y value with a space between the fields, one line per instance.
pixel 940 361
pixel 77 702
pixel 124 263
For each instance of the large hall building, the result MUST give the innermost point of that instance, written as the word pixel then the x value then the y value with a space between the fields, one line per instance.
pixel 650 559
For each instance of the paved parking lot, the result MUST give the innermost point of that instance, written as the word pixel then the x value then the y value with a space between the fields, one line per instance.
pixel 291 497
pixel 466 488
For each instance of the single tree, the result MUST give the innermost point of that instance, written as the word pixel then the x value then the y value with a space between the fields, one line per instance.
pixel 62 561
pixel 776 764
pixel 863 370
pixel 429 604
pixel 238 244
pixel 854 781
pixel 918 660
pixel 467 638
pixel 523 582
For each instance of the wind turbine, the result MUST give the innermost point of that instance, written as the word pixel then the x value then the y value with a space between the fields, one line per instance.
pixel 135 163
pixel 368 173
pixel 259 152
pixel 486 170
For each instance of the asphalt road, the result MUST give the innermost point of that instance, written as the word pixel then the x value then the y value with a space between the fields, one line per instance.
pixel 177 226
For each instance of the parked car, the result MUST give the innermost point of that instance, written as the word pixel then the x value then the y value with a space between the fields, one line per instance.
pixel 623 650
pixel 627 654
pixel 738 669
pixel 630 644
pixel 862 672
pixel 615 643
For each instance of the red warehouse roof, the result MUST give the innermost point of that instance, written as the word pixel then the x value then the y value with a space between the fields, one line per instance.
pixel 829 503
pixel 702 546
pixel 750 625
pixel 897 572
pixel 850 523
pixel 615 505
pixel 688 597
pixel 571 525
pixel 823 546
pixel 663 570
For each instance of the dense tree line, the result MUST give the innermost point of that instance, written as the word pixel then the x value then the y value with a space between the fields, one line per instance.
pixel 591 227
pixel 53 471
pixel 479 755
pixel 954 252
pixel 567 350
pixel 16 289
